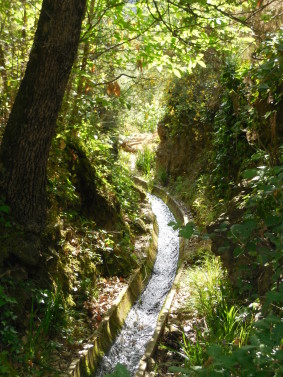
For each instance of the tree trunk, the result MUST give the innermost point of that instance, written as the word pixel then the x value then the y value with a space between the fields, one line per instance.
pixel 31 125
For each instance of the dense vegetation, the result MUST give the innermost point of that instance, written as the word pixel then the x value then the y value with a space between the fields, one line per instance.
pixel 231 178
pixel 210 75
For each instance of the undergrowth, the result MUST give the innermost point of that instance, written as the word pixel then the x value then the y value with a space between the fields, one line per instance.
pixel 44 322
pixel 238 193
pixel 29 354
pixel 219 318
pixel 145 161
pixel 240 331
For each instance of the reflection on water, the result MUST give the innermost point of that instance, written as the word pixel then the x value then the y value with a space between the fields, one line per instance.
pixel 140 323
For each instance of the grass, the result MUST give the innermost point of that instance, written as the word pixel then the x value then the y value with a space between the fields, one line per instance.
pixel 145 161
pixel 193 352
pixel 29 353
pixel 217 318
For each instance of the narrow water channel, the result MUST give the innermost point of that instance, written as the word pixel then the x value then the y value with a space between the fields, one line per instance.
pixel 140 323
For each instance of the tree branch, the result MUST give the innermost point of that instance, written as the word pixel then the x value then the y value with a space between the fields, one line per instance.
pixel 92 26
pixel 117 78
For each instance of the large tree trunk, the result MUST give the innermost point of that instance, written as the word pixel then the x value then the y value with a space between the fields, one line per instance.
pixel 31 125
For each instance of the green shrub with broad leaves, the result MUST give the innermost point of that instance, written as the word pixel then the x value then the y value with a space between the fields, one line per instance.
pixel 256 237
pixel 258 350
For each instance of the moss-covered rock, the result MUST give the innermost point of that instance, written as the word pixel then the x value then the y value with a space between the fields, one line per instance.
pixel 83 176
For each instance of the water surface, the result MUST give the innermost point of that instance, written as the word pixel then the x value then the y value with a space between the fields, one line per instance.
pixel 140 323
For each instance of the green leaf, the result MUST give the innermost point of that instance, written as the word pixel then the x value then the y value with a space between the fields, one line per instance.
pixel 257 156
pixel 185 372
pixel 266 115
pixel 277 169
pixel 250 173
pixel 120 371
pixel 201 63
pixel 243 231
pixel 274 297
pixel 271 220
pixel 177 73
pixel 5 209
pixel 263 86
pixel 238 251
pixel 175 225
pixel 187 231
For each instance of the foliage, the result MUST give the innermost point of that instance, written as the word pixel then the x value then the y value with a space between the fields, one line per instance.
pixel 120 371
pixel 212 298
pixel 116 81
pixel 250 100
pixel 4 214
pixel 228 113
pixel 193 352
pixel 8 332
pixel 254 349
pixel 257 238
pixel 230 145
pixel 29 355
pixel 18 21
pixel 232 344
pixel 267 78
pixel 190 102
pixel 199 194
pixel 219 319
pixel 261 357
pixel 145 161
pixel 144 103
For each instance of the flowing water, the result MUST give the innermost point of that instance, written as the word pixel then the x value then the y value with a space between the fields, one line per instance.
pixel 140 323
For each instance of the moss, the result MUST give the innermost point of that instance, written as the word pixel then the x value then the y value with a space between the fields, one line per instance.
pixel 21 247
pixel 83 175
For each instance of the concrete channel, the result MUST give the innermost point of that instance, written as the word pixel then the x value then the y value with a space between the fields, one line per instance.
pixel 103 338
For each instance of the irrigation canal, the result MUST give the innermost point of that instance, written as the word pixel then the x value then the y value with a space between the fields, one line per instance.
pixel 140 323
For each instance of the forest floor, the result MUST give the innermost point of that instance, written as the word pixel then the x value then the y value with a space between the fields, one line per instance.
pixel 108 294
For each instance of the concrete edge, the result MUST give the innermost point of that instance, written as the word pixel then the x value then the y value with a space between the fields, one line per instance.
pixel 102 339
pixel 182 215
pixel 104 336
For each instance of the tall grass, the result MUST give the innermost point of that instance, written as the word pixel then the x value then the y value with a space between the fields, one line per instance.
pixel 219 319
pixel 145 161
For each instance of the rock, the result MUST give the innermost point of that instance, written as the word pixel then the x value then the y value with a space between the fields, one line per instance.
pixel 151 363
pixel 148 217
pixel 140 226
pixel 187 328
pixel 19 247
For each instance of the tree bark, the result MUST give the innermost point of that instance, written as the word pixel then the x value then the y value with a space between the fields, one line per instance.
pixel 31 125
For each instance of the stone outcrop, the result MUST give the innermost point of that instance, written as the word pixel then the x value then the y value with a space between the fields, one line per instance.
pixel 177 153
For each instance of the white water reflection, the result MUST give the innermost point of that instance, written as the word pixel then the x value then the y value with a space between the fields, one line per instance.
pixel 141 321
